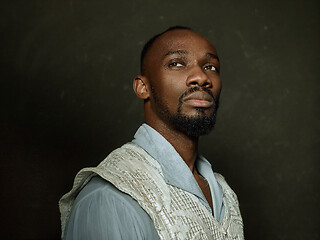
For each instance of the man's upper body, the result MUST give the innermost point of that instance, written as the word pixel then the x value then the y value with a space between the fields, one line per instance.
pixel 180 85
pixel 131 195
pixel 113 214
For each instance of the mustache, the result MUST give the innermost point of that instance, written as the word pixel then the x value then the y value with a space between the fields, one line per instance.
pixel 195 89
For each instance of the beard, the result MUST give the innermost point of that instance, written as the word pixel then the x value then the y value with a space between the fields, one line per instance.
pixel 193 126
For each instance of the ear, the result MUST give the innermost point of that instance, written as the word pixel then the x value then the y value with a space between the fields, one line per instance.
pixel 140 87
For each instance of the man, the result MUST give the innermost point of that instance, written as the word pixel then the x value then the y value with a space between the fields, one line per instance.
pixel 158 186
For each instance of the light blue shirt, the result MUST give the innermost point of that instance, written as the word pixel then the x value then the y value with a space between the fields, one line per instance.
pixel 101 211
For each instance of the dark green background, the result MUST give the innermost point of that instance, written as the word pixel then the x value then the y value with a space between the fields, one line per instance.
pixel 67 101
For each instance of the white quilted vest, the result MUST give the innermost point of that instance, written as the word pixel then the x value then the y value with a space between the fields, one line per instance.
pixel 176 214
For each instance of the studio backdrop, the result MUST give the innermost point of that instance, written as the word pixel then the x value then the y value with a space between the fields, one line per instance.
pixel 67 101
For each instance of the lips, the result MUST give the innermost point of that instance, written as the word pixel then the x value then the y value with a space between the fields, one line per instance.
pixel 199 99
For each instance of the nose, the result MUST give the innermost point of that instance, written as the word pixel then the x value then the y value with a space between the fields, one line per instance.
pixel 197 77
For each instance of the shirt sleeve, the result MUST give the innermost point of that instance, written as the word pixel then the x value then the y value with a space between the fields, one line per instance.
pixel 103 212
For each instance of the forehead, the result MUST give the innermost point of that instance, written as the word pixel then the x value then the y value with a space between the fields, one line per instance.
pixel 181 40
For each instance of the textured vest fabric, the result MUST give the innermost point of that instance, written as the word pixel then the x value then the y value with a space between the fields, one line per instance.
pixel 176 214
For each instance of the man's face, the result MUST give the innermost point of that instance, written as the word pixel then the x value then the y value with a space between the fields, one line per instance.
pixel 183 71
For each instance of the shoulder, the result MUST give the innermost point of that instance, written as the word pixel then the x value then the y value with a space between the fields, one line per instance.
pixel 97 188
pixel 129 157
pixel 102 211
pixel 101 194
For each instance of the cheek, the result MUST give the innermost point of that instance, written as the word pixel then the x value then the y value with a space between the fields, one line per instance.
pixel 170 88
pixel 170 95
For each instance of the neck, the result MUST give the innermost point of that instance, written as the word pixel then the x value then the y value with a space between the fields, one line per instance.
pixel 186 146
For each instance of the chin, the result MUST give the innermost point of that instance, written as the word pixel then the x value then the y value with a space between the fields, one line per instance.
pixel 194 125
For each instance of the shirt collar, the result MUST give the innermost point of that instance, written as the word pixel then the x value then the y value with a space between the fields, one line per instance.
pixel 175 170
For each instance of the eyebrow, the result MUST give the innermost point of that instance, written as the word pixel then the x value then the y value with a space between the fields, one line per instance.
pixel 214 56
pixel 180 52
pixel 184 52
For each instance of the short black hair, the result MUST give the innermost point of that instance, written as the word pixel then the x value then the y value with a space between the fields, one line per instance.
pixel 147 46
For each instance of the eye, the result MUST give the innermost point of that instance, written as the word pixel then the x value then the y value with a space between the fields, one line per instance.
pixel 175 64
pixel 210 67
